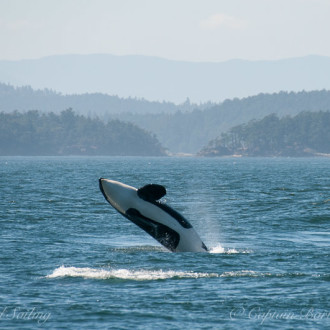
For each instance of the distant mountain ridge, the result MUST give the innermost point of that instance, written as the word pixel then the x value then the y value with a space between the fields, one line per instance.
pixel 25 98
pixel 160 79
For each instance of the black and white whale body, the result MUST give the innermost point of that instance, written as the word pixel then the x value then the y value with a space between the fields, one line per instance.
pixel 141 206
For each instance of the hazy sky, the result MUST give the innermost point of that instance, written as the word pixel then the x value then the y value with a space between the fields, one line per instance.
pixel 193 30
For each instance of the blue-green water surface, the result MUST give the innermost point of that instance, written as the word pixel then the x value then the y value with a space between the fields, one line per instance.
pixel 70 261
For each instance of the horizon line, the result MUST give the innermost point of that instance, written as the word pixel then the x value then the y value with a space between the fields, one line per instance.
pixel 164 58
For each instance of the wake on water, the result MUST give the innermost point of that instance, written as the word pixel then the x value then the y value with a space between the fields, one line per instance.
pixel 152 275
pixel 125 274
pixel 141 275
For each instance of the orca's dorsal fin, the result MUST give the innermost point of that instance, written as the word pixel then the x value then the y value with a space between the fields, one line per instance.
pixel 152 192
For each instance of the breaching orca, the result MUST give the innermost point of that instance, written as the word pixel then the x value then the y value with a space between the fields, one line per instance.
pixel 141 206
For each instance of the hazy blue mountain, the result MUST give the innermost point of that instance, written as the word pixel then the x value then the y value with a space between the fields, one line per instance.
pixel 91 104
pixel 160 79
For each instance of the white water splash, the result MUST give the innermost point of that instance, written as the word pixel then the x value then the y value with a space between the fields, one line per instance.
pixel 126 274
pixel 219 249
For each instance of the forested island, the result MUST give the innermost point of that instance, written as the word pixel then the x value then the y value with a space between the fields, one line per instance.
pixel 190 131
pixel 104 124
pixel 306 134
pixel 182 128
pixel 33 133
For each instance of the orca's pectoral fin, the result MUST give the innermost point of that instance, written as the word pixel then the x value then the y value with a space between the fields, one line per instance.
pixel 152 192
pixel 163 234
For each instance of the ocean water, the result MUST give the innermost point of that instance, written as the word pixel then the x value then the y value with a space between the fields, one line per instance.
pixel 70 261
